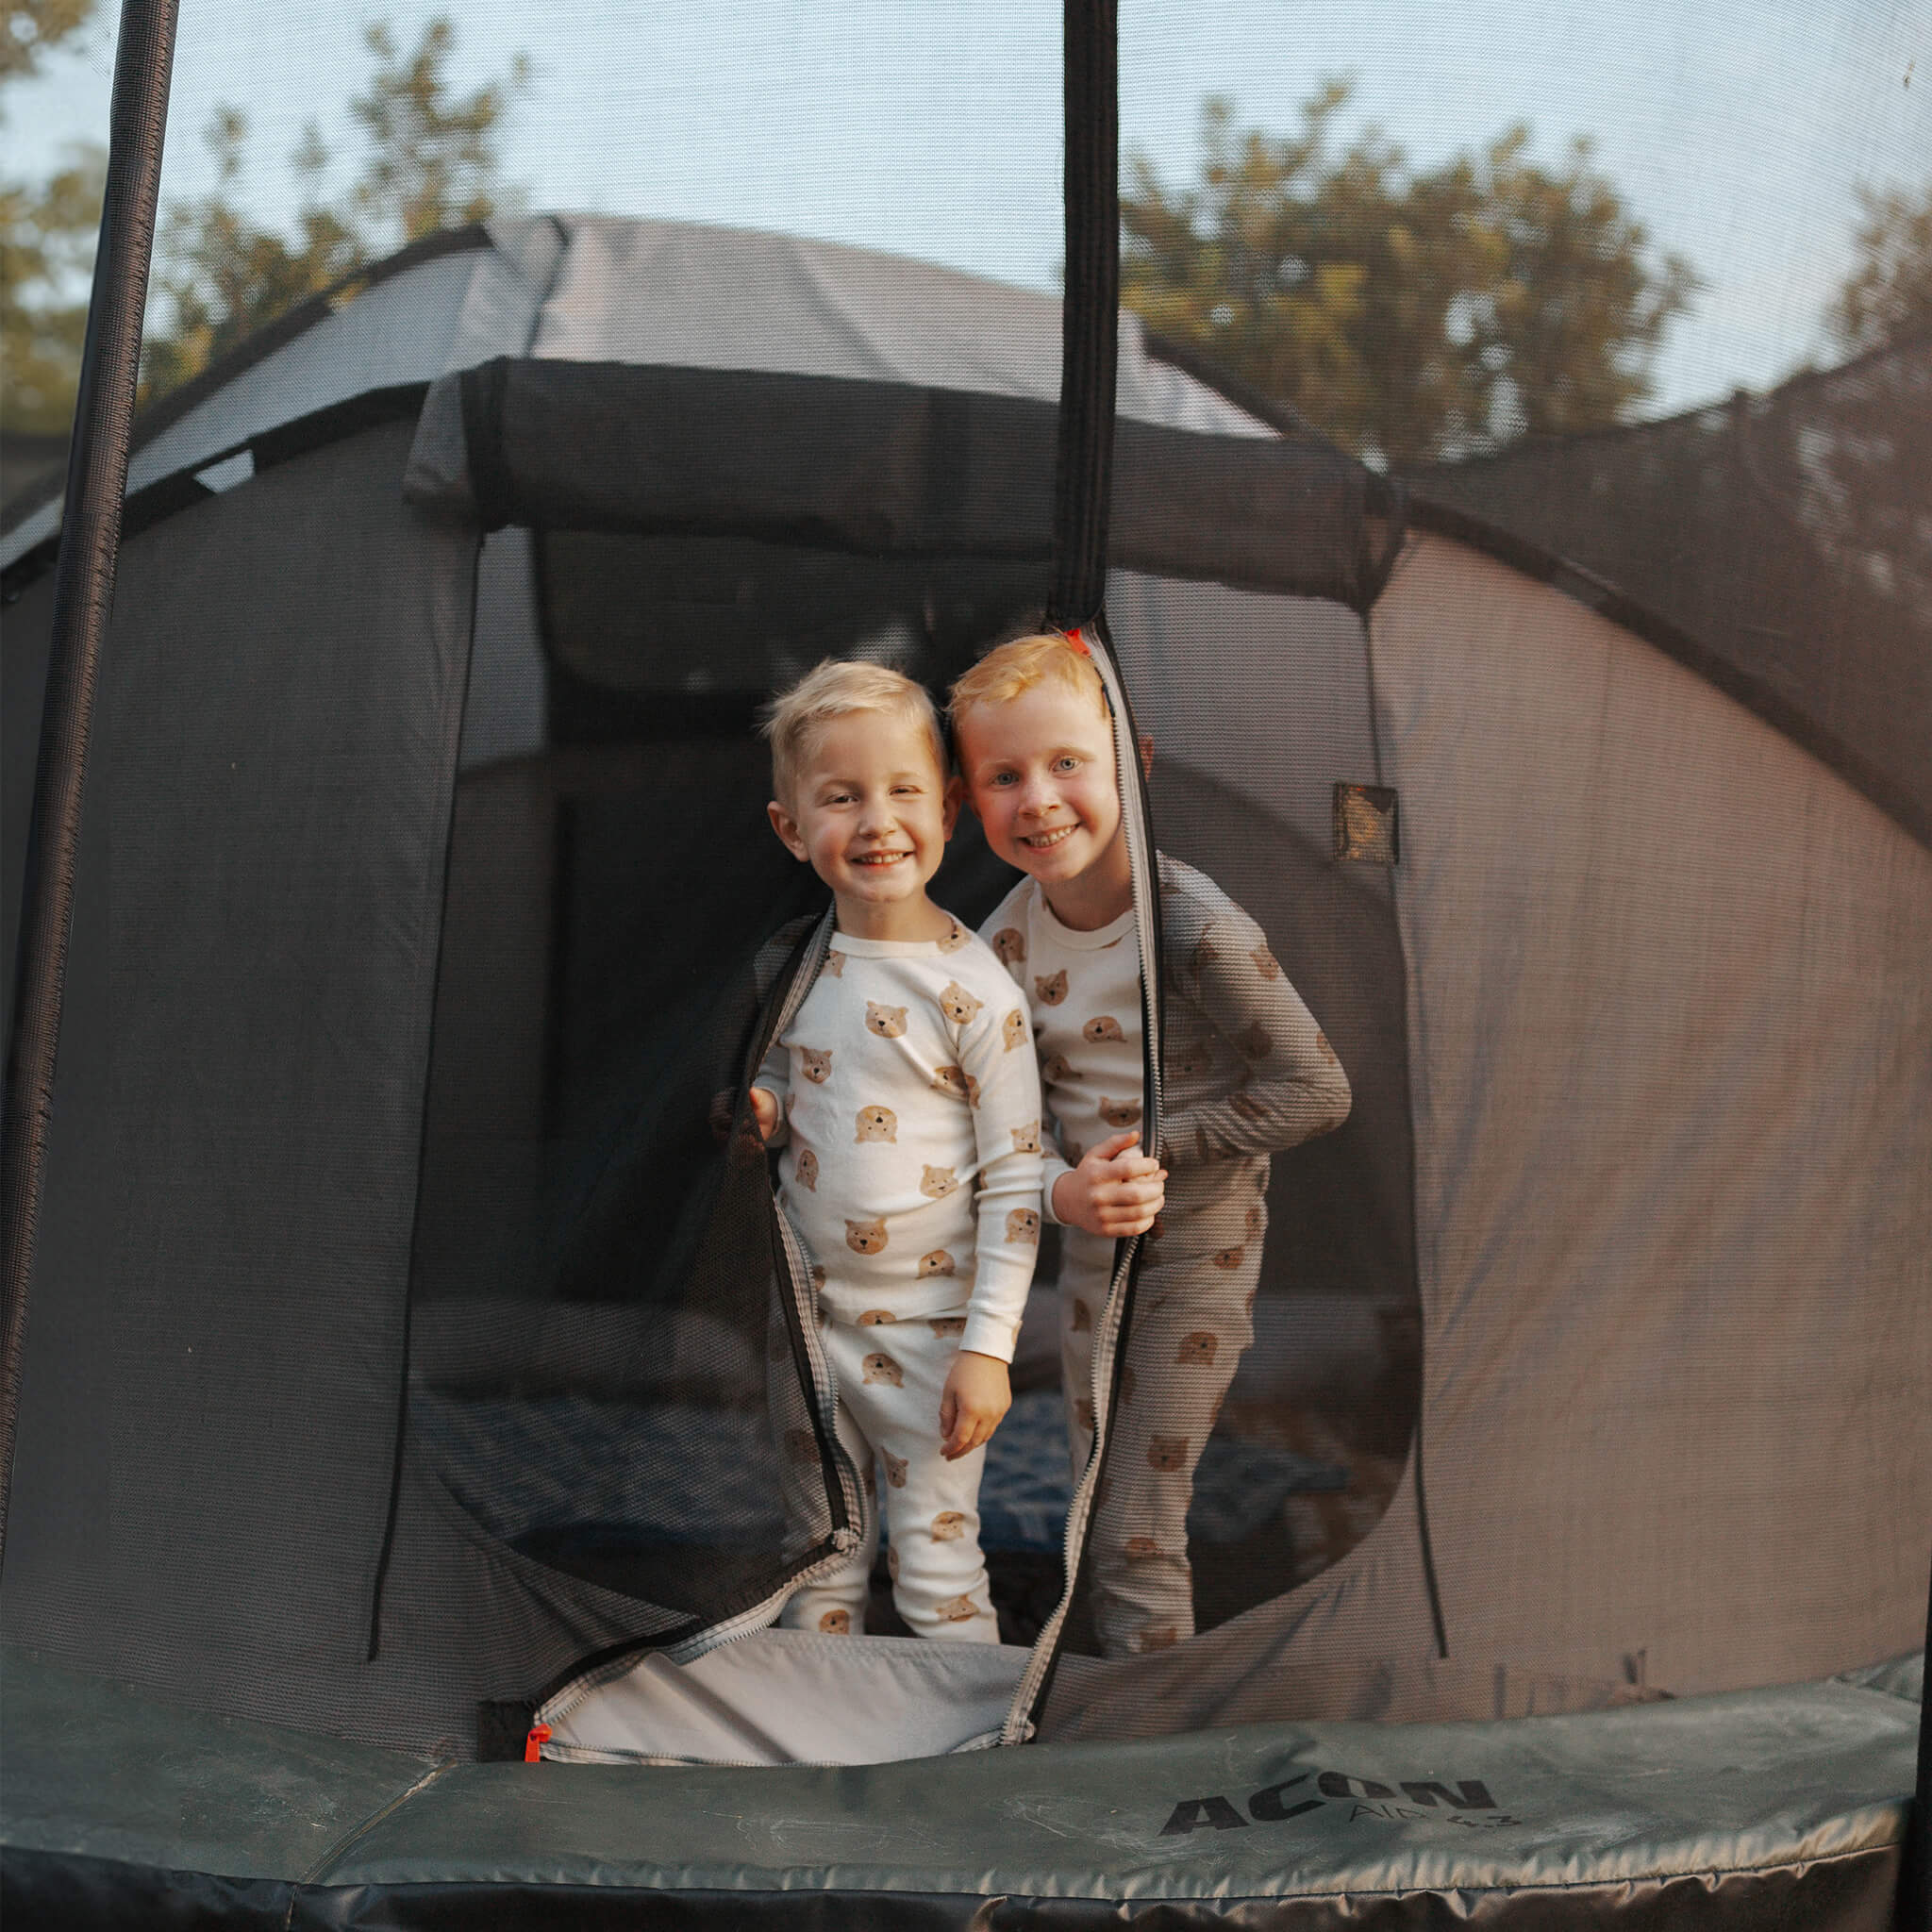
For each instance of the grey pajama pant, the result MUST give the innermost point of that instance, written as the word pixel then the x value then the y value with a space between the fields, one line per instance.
pixel 1193 1318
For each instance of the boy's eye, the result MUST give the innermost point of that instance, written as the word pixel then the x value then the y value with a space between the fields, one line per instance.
pixel 1066 764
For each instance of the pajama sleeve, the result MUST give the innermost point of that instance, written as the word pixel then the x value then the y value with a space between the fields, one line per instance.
pixel 1007 1123
pixel 1053 1163
pixel 1285 1085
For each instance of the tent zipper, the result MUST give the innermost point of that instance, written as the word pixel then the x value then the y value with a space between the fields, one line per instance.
pixel 1143 865
pixel 824 1392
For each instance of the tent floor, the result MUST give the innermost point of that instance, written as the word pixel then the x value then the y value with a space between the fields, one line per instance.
pixel 1764 1808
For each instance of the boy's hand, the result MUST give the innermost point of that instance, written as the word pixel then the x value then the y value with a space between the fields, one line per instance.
pixel 978 1393
pixel 1115 1191
pixel 765 1114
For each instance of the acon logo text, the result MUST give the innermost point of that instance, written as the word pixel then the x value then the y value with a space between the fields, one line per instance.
pixel 1465 1802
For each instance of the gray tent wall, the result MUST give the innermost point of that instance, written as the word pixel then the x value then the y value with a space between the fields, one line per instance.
pixel 1662 1205
pixel 1667 1014
pixel 259 1331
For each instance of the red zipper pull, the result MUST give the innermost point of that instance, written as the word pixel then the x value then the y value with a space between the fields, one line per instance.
pixel 533 1745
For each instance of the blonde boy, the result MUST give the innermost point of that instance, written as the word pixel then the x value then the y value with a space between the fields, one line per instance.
pixel 1246 1071
pixel 904 1096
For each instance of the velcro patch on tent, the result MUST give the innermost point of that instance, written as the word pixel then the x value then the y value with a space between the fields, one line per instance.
pixel 1367 825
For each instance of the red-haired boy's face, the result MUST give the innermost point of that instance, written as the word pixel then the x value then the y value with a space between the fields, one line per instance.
pixel 1039 771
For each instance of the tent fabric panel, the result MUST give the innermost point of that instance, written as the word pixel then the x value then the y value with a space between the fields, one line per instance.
pixel 400 331
pixel 585 288
pixel 1864 757
pixel 442 314
pixel 1780 532
pixel 882 468
pixel 1671 1047
pixel 504 717
pixel 268 815
pixel 681 294
pixel 1368 1619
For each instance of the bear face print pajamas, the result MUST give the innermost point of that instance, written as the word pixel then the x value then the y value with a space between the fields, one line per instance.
pixel 911 1169
pixel 1247 1072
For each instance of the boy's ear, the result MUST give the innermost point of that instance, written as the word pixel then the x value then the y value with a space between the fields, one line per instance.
pixel 956 792
pixel 1147 754
pixel 787 828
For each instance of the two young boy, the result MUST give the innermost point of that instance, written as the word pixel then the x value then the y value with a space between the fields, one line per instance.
pixel 864 796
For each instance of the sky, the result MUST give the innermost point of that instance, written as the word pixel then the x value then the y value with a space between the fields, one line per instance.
pixel 1735 129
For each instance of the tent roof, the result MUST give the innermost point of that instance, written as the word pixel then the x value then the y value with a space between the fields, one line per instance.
pixel 680 296
pixel 594 287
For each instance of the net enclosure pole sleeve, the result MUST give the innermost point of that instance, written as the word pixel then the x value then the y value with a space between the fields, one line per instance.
pixel 1915 1870
pixel 1090 314
pixel 83 597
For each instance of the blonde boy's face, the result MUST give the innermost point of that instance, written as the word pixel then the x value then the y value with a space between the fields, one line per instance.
pixel 1040 770
pixel 871 809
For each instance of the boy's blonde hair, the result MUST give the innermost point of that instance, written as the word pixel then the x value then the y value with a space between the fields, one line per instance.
pixel 837 688
pixel 1011 669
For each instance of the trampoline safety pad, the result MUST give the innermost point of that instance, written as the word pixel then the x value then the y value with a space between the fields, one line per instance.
pixel 1767 1807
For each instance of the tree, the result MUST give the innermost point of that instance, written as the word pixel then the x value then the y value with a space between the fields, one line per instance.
pixel 1865 445
pixel 1410 314
pixel 46 243
pixel 33 27
pixel 1888 295
pixel 431 163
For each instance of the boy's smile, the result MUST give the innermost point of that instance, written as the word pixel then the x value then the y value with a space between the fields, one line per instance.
pixel 872 815
pixel 1040 771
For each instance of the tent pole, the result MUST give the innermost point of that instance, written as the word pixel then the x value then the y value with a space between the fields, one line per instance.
pixel 83 597
pixel 1915 1870
pixel 1090 314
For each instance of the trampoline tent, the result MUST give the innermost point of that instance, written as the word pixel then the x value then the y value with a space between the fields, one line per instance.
pixel 397 995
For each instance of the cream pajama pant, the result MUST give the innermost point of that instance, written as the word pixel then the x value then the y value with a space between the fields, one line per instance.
pixel 889 1377
pixel 1193 1317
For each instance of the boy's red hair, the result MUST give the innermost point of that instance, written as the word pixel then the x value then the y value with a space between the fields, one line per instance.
pixel 1009 669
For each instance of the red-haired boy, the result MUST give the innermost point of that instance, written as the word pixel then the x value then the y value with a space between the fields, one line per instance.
pixel 1246 1073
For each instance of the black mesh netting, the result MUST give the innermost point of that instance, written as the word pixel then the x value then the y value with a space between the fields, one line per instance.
pixel 415 1332
pixel 1784 535
pixel 602 1359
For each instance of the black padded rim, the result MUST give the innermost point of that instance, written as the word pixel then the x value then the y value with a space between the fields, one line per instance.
pixel 1845 1893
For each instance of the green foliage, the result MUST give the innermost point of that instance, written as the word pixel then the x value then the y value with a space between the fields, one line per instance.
pixel 1888 295
pixel 34 27
pixel 47 232
pixel 46 244
pixel 1410 314
pixel 430 163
